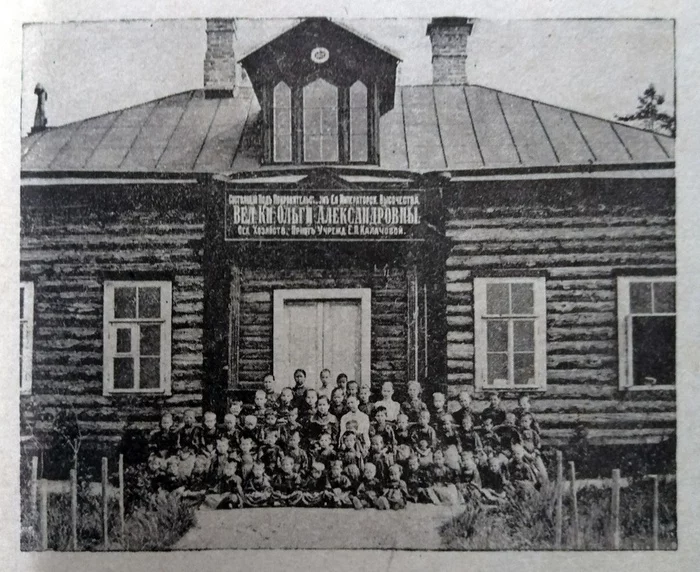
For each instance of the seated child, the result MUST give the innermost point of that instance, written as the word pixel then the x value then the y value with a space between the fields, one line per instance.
pixel 438 407
pixel 393 408
pixel 423 430
pixel 437 473
pixel 524 408
pixel 402 454
pixel 245 467
pixel 220 458
pixel 354 474
pixel 381 427
pixel 370 490
pixel 469 480
pixel 380 458
pixel 494 475
pixel 250 430
pixel 364 404
pixel 230 430
pixel 402 434
pixel 227 492
pixel 424 453
pixel 342 382
pixel 156 474
pixel 324 451
pixel 210 433
pixel 490 440
pixel 260 406
pixel 445 431
pixel 286 484
pixel 339 486
pixel 322 422
pixel 467 437
pixel 395 491
pixel 172 480
pixel 164 441
pixel 531 443
pixel 236 408
pixel 315 487
pixel 270 423
pixel 271 396
pixel 292 424
pixel 325 389
pixel 413 406
pixel 464 408
pixel 338 407
pixel 350 452
pixel 199 481
pixel 307 412
pixel 269 453
pixel 452 464
pixel 190 434
pixel 494 410
pixel 186 460
pixel 284 405
pixel 508 434
pixel 297 454
pixel 257 489
pixel 418 483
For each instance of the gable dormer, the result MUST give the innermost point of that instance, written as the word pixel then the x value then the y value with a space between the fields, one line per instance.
pixel 322 89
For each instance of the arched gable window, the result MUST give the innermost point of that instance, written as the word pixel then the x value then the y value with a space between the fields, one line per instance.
pixel 282 109
pixel 320 104
pixel 358 122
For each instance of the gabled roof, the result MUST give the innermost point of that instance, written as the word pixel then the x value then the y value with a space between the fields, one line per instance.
pixel 430 128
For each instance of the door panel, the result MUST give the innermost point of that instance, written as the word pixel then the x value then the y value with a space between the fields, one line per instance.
pixel 342 321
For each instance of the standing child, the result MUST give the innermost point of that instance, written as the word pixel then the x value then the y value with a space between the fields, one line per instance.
pixel 271 396
pixel 352 389
pixel 299 389
pixel 307 412
pixel 381 427
pixel 342 382
pixel 322 422
pixel 338 406
pixel 284 405
pixel 494 411
pixel 190 434
pixel 413 406
pixel 393 408
pixel 354 414
pixel 164 441
pixel 395 490
pixel 257 489
pixel 524 408
pixel 325 378
pixel 364 404
pixel 260 406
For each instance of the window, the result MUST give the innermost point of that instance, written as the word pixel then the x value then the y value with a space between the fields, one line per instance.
pixel 282 117
pixel 510 333
pixel 26 335
pixel 647 332
pixel 137 332
pixel 358 122
pixel 320 122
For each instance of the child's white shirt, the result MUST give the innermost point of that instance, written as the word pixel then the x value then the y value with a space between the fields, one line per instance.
pixel 393 408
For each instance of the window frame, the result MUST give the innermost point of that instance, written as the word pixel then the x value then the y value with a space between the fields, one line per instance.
pixel 290 135
pixel 625 356
pixel 27 339
pixel 306 136
pixel 110 340
pixel 481 318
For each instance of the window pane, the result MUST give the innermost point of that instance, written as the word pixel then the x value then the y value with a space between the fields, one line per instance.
pixel 497 368
pixel 312 148
pixel 523 298
pixel 640 297
pixel 523 335
pixel 329 148
pixel 312 121
pixel 282 96
pixel 320 100
pixel 283 148
pixel 497 336
pixel 524 365
pixel 654 350
pixel 497 299
pixel 125 302
pixel 283 121
pixel 329 121
pixel 149 302
pixel 123 373
pixel 150 373
pixel 150 341
pixel 358 95
pixel 664 297
pixel 123 340
pixel 358 148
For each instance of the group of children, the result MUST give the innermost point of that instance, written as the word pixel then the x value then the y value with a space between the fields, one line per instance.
pixel 334 447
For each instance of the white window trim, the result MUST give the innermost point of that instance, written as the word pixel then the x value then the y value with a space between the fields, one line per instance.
pixel 364 295
pixel 109 341
pixel 623 329
pixel 28 347
pixel 540 336
pixel 275 107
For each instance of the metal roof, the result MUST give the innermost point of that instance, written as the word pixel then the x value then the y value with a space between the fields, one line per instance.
pixel 430 128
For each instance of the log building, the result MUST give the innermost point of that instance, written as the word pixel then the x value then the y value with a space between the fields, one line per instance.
pixel 320 215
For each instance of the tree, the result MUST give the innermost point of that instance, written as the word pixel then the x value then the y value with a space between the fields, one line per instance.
pixel 648 113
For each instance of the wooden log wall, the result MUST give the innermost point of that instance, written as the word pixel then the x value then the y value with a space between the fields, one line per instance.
pixel 389 317
pixel 72 240
pixel 580 238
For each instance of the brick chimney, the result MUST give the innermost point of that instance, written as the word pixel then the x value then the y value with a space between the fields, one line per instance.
pixel 220 61
pixel 448 37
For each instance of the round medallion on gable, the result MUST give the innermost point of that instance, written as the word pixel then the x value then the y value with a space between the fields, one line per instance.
pixel 319 55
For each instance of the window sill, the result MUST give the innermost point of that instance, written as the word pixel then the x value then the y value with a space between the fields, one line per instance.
pixel 142 392
pixel 648 388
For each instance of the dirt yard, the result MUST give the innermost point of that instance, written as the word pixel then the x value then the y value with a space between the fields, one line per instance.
pixel 416 527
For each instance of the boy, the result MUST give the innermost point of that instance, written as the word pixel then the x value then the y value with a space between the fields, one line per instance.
pixel 445 431
pixel 417 485
pixel 519 470
pixel 338 406
pixel 437 409
pixel 315 487
pixel 465 408
pixel 393 408
pixel 300 457
pixel 190 434
pixel 270 423
pixel 299 389
pixel 260 406
pixel 325 453
pixel 402 433
pixel 257 489
pixel 494 410
pixel 269 453
pixel 354 414
pixel 247 461
pixel 292 424
pixel 370 490
pixel 228 492
pixel 339 485
pixel 413 406
pixel 220 459
pixel 271 396
pixel 380 427
pixel 524 408
pixel 199 481
pixel 185 464
pixel 322 422
pixel 284 405
pixel 164 441
pixel 423 431
pixel 508 433
pixel 490 440
pixel 325 378
pixel 210 433
pixel 395 492
pixel 350 453
pixel 230 430
pixel 364 404
pixel 250 430
pixel 286 484
pixel 467 437
pixel 380 457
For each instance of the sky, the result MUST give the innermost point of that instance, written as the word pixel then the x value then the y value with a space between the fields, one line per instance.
pixel 594 66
